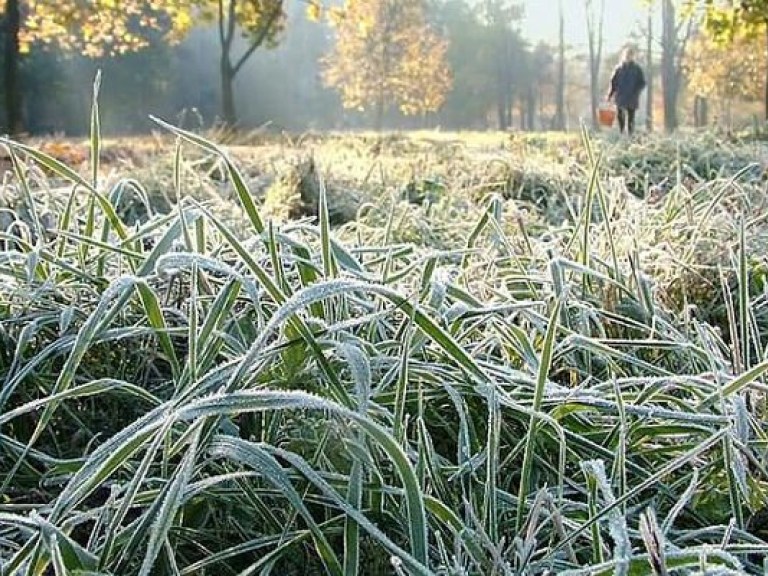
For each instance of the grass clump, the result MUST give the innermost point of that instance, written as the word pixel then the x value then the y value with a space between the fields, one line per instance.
pixel 295 194
pixel 506 391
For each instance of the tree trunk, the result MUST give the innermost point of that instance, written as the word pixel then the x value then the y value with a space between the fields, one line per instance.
pixel 510 104
pixel 504 88
pixel 700 112
pixel 594 98
pixel 13 114
pixel 669 77
pixel 531 108
pixel 765 96
pixel 380 108
pixel 228 109
pixel 501 109
pixel 705 112
pixel 227 23
pixel 560 97
pixel 649 73
pixel 595 45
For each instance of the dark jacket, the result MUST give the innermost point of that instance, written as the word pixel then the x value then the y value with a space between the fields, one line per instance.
pixel 626 84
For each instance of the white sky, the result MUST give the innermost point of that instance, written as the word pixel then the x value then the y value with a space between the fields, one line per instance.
pixel 622 18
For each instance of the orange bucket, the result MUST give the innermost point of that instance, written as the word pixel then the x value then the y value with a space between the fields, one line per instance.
pixel 606 115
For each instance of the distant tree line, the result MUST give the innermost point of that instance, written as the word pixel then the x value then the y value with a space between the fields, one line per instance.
pixel 348 64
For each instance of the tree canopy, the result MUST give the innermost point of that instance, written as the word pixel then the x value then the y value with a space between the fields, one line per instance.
pixel 96 28
pixel 725 72
pixel 730 21
pixel 727 17
pixel 387 55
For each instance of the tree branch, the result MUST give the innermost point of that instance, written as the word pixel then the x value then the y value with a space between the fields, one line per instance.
pixel 680 56
pixel 222 38
pixel 261 37
pixel 232 22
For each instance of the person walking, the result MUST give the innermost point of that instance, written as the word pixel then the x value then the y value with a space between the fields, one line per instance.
pixel 627 82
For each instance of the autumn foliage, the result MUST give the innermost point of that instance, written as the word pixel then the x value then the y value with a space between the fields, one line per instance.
pixel 728 70
pixel 739 28
pixel 106 27
pixel 386 55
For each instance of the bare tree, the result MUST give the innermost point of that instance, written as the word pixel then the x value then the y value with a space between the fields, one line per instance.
pixel 595 12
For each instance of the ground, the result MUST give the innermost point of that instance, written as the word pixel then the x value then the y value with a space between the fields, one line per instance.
pixel 428 353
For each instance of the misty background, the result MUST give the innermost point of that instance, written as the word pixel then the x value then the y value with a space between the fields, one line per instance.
pixel 512 87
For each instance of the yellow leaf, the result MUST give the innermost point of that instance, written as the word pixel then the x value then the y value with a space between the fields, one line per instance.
pixel 314 11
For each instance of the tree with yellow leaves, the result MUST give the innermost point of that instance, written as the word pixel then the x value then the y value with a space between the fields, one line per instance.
pixel 730 21
pixel 386 55
pixel 726 72
pixel 94 28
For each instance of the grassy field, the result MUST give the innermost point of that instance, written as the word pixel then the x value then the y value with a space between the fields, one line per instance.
pixel 422 354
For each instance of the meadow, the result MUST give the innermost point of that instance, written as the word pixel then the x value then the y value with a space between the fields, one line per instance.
pixel 423 353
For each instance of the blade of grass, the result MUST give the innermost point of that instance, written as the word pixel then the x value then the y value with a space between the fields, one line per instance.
pixel 243 194
pixel 545 363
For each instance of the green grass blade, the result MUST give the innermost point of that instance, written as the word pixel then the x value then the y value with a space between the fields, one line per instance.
pixel 171 497
pixel 244 195
pixel 545 363
pixel 95 132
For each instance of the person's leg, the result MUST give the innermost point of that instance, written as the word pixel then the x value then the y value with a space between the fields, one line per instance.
pixel 622 119
pixel 631 120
